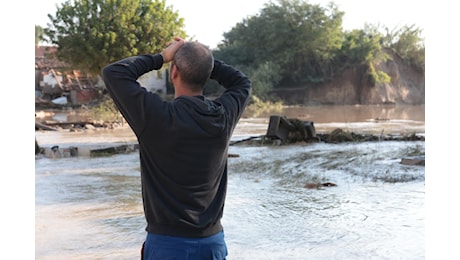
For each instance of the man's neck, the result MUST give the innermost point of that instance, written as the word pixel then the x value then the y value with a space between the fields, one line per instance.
pixel 184 91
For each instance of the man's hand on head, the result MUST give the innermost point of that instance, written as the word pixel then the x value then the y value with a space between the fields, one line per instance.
pixel 170 51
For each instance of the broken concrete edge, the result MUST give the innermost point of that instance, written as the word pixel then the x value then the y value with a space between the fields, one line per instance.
pixel 56 151
pixel 100 150
pixel 76 126
pixel 349 137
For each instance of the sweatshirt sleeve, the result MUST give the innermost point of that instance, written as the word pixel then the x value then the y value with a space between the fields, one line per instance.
pixel 129 96
pixel 237 85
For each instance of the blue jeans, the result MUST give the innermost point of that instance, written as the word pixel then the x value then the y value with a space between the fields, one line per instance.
pixel 184 248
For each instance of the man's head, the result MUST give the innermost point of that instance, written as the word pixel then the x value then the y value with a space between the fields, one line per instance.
pixel 194 62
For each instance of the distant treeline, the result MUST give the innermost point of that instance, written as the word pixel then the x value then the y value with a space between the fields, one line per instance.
pixel 288 43
pixel 293 43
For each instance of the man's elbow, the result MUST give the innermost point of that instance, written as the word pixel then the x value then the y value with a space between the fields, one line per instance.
pixel 107 72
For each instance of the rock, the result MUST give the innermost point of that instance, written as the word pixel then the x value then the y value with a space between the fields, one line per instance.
pixel 313 185
pixel 420 160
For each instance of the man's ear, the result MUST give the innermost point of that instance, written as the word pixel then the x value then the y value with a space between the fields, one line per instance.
pixel 174 72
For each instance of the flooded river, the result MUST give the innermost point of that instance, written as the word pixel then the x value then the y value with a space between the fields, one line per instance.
pixel 91 208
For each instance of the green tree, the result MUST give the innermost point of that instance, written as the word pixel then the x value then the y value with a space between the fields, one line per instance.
pixel 264 77
pixel 300 37
pixel 366 47
pixel 408 43
pixel 93 33
pixel 363 47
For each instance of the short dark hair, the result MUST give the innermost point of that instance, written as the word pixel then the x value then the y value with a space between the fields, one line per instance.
pixel 195 63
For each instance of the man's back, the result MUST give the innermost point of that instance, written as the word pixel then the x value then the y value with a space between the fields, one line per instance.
pixel 189 156
pixel 183 146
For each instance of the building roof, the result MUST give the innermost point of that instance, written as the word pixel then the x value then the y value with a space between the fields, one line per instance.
pixel 44 59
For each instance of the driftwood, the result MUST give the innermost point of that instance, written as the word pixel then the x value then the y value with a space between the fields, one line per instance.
pixel 69 123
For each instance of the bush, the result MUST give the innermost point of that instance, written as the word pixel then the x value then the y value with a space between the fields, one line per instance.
pixel 106 111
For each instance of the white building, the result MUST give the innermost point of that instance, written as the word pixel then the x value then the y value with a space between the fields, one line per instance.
pixel 154 81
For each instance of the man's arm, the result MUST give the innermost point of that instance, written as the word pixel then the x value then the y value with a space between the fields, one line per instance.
pixel 237 85
pixel 121 81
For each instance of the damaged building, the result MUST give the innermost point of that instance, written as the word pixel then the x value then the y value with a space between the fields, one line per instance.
pixel 56 84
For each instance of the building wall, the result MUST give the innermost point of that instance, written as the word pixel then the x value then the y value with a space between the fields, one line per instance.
pixel 154 81
pixel 51 80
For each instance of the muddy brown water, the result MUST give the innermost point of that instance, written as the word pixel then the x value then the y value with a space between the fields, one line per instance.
pixel 90 208
pixel 360 119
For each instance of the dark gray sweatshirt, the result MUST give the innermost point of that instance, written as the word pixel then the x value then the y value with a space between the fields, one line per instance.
pixel 182 145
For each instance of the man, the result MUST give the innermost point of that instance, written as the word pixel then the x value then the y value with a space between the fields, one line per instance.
pixel 183 146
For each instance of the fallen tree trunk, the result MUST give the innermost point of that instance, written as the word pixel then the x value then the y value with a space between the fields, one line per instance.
pixel 40 126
